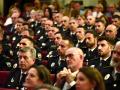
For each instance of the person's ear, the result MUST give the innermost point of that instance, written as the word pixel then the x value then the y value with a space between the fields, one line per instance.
pixel 93 84
pixel 81 57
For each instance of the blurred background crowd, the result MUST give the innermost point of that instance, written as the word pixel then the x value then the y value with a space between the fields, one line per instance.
pixel 75 41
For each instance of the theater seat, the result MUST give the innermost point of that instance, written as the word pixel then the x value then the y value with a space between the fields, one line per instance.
pixel 6 89
pixel 53 78
pixel 3 77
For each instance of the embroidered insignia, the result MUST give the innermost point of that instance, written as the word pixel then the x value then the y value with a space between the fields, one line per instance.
pixel 92 66
pixel 38 32
pixel 15 65
pixel 41 38
pixel 12 80
pixel 43 44
pixel 14 38
pixel 49 54
pixel 114 85
pixel 8 64
pixel 107 77
pixel 32 25
pixel 53 64
pixel 11 52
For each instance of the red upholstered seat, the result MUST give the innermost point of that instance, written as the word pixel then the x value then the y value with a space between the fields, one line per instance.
pixel 53 78
pixel 6 89
pixel 3 77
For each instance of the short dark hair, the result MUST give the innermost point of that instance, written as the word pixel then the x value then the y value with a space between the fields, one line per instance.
pixel 99 20
pixel 109 40
pixel 92 32
pixel 116 16
pixel 29 38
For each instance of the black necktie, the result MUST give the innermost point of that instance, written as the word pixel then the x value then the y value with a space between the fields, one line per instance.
pixel 22 80
pixel 102 62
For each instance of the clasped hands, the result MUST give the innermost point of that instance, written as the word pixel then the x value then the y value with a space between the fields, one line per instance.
pixel 65 74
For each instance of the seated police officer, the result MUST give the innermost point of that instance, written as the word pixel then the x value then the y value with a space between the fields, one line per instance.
pixel 66 77
pixel 57 59
pixel 111 74
pixel 105 46
pixel 91 43
pixel 17 76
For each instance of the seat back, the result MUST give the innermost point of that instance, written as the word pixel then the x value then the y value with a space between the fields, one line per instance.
pixel 3 77
pixel 6 89
pixel 53 78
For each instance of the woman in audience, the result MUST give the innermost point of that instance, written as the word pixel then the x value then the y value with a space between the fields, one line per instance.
pixel 89 79
pixel 48 13
pixel 37 75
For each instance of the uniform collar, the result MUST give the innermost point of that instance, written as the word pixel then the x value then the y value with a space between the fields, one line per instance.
pixel 23 72
pixel 115 71
pixel 104 59
pixel 92 49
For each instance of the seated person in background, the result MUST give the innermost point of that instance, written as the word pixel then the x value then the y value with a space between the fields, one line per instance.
pixel 91 52
pixel 26 42
pixel 89 79
pixel 17 76
pixel 5 61
pixel 80 33
pixel 37 75
pixel 57 60
pixel 111 32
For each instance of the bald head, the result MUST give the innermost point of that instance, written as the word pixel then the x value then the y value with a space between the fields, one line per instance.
pixel 75 50
pixel 74 58
pixel 111 26
pixel 90 20
pixel 111 31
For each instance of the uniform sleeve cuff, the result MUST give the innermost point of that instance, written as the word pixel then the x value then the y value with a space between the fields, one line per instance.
pixel 72 83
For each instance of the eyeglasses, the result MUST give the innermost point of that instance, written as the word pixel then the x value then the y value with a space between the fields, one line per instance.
pixel 22 43
pixel 108 30
pixel 72 23
pixel 48 24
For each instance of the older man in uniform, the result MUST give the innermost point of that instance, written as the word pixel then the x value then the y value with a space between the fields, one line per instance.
pixel 17 76
pixel 112 74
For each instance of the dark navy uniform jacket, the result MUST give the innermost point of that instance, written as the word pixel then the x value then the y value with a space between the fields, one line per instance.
pixel 111 78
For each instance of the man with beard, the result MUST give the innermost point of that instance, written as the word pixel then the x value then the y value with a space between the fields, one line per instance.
pixel 99 27
pixel 105 46
pixel 90 22
pixel 57 59
pixel 111 74
pixel 91 43
pixel 111 32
